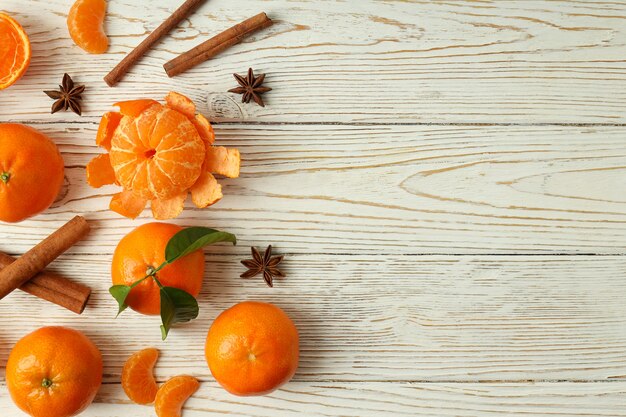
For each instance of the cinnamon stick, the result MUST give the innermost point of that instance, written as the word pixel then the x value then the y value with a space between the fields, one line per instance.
pixel 35 260
pixel 216 44
pixel 54 288
pixel 170 23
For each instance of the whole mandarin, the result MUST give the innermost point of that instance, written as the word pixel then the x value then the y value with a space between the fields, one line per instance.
pixel 54 372
pixel 31 172
pixel 142 251
pixel 252 348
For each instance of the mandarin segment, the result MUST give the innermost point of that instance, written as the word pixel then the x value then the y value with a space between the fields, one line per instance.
pixel 15 51
pixel 109 122
pixel 138 377
pixel 223 161
pixel 128 204
pixel 172 395
pixel 170 208
pixel 85 23
pixel 206 191
pixel 100 172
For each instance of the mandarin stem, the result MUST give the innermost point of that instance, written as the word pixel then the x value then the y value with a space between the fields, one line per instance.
pixel 157 281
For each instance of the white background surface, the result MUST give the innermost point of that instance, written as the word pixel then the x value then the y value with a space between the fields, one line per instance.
pixel 446 179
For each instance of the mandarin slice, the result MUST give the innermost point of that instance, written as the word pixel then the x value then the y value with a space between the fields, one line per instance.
pixel 85 22
pixel 127 204
pixel 138 377
pixel 206 191
pixel 14 51
pixel 109 122
pixel 170 208
pixel 172 395
pixel 223 161
pixel 181 103
pixel 100 172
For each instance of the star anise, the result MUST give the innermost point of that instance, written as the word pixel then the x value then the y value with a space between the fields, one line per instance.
pixel 68 96
pixel 267 265
pixel 250 87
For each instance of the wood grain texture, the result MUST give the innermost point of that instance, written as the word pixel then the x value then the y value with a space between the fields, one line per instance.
pixel 382 318
pixel 385 399
pixel 356 61
pixel 446 179
pixel 384 189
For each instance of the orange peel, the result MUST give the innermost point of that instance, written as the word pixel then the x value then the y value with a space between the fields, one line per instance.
pixel 100 172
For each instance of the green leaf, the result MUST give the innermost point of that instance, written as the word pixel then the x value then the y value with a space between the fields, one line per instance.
pixel 193 238
pixel 177 306
pixel 120 292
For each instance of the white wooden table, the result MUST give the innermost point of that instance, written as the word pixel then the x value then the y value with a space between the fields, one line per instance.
pixel 447 180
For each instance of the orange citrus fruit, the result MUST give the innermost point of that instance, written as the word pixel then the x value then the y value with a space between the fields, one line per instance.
pixel 138 377
pixel 252 348
pixel 54 372
pixel 31 172
pixel 143 250
pixel 160 153
pixel 173 394
pixel 157 154
pixel 14 51
pixel 86 25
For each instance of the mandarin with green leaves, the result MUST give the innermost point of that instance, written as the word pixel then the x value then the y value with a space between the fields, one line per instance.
pixel 140 253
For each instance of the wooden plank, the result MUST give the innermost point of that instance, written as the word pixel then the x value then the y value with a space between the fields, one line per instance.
pixel 354 62
pixel 381 399
pixel 382 189
pixel 382 318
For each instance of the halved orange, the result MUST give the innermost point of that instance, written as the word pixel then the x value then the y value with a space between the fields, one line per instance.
pixel 138 377
pixel 85 22
pixel 14 51
pixel 172 395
